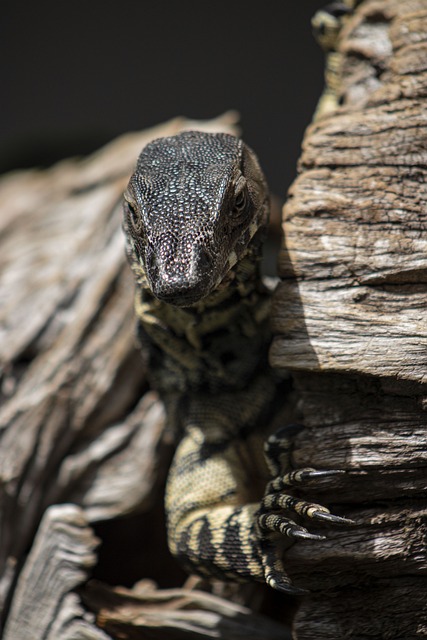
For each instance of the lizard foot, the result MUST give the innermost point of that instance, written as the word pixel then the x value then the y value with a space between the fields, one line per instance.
pixel 278 456
pixel 278 509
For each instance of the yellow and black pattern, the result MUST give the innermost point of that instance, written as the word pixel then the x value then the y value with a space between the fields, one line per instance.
pixel 196 210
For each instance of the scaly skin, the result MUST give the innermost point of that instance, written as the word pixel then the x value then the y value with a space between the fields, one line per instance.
pixel 195 214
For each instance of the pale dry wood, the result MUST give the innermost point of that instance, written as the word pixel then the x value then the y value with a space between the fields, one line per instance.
pixel 59 561
pixel 349 318
pixel 179 614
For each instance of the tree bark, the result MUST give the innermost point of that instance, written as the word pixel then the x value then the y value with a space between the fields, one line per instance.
pixel 349 323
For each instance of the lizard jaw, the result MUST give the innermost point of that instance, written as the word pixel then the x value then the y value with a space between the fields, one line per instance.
pixel 177 283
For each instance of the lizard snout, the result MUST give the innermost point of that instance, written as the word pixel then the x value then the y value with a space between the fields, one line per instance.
pixel 181 278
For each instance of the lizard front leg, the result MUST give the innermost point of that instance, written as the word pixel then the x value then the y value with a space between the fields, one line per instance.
pixel 226 519
pixel 211 529
pixel 217 480
pixel 214 497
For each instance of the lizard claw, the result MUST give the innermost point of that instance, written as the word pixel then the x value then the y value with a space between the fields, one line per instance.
pixel 276 500
pixel 325 516
pixel 287 588
pixel 302 534
pixel 274 571
pixel 302 475
pixel 280 524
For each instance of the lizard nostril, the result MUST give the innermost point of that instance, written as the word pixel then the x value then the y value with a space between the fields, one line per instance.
pixel 204 261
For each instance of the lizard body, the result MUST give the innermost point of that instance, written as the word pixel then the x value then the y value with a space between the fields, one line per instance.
pixel 195 215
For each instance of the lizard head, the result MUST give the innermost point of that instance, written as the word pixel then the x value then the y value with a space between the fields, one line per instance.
pixel 191 209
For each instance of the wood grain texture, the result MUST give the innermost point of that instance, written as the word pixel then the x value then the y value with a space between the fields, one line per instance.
pixel 178 614
pixel 355 219
pixel 349 319
pixel 61 556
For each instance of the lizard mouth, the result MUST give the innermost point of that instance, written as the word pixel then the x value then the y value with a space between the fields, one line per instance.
pixel 181 280
pixel 181 297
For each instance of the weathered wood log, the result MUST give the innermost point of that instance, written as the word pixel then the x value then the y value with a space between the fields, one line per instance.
pixel 349 319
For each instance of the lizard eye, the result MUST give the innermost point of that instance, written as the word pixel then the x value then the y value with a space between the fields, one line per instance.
pixel 135 218
pixel 241 203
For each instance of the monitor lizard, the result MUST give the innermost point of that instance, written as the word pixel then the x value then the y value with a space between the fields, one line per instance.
pixel 195 216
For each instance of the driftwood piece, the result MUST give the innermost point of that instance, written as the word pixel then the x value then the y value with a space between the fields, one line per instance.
pixel 73 426
pixel 350 323
pixel 62 554
pixel 178 614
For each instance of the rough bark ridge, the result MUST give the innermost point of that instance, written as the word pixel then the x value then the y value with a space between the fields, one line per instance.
pixel 349 322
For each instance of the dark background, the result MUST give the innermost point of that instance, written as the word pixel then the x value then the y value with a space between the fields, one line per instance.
pixel 76 74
